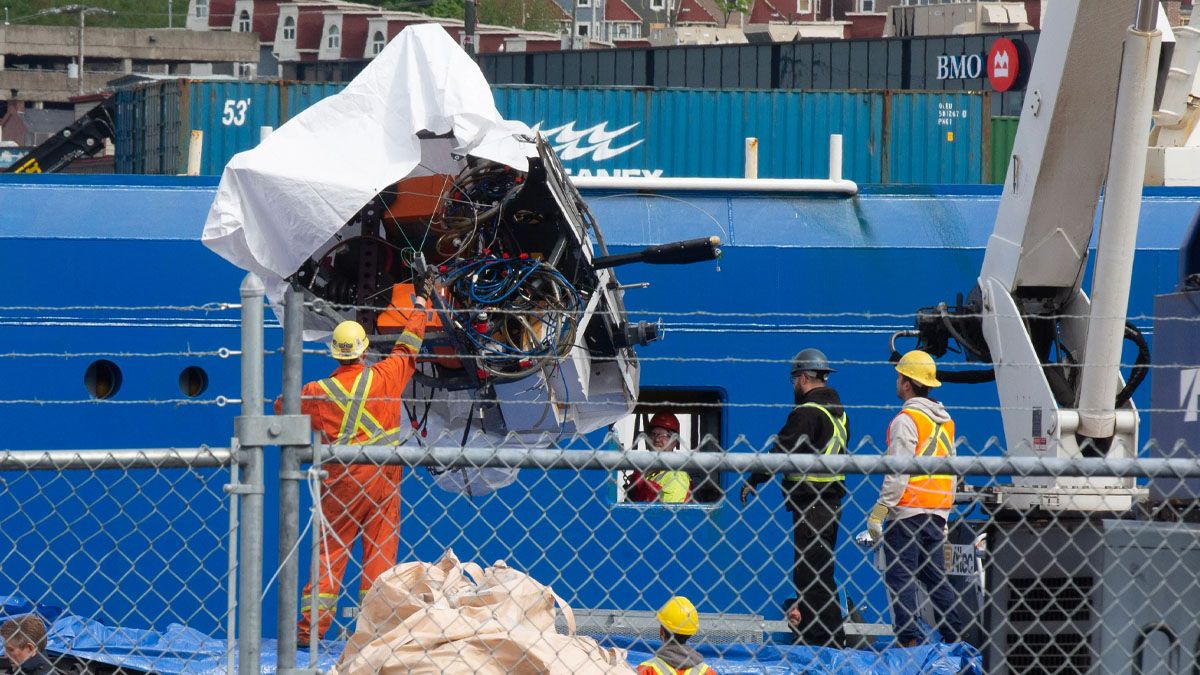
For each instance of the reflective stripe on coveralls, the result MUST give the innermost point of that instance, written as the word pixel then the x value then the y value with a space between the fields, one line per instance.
pixel 835 445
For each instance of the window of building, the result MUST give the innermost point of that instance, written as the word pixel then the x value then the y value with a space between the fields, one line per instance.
pixel 622 31
pixel 244 22
pixel 866 5
pixel 699 416
pixel 584 3
pixel 335 38
pixel 377 42
pixel 201 9
pixel 289 28
pixel 582 29
pixel 803 6
pixel 658 5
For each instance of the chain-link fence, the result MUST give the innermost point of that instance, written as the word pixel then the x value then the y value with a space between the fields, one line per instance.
pixel 788 580
pixel 465 551
pixel 123 554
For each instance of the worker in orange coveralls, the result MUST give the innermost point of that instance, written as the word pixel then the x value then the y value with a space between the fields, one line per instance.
pixel 359 404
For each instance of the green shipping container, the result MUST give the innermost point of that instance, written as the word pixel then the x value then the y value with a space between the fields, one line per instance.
pixel 1004 132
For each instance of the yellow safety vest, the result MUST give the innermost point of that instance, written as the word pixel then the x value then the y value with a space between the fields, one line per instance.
pixel 661 667
pixel 836 445
pixel 356 419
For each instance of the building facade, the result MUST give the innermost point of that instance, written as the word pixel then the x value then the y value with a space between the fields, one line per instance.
pixel 326 40
pixel 40 64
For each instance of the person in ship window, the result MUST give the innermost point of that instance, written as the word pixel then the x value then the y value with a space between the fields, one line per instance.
pixel 667 487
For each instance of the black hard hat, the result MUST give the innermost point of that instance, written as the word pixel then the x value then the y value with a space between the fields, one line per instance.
pixel 810 361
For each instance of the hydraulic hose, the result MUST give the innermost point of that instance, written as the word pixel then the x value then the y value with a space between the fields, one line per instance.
pixel 1141 365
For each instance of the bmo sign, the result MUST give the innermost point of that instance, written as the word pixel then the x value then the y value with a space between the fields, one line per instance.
pixel 1002 65
pixel 961 67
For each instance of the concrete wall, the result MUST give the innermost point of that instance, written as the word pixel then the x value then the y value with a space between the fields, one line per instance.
pixel 144 50
pixel 47 85
pixel 121 43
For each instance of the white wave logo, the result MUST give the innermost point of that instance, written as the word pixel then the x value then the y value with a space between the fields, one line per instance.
pixel 596 141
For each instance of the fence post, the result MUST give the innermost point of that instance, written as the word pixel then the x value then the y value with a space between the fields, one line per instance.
pixel 251 459
pixel 289 483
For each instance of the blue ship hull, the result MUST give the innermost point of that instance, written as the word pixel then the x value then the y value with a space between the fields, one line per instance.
pixel 91 242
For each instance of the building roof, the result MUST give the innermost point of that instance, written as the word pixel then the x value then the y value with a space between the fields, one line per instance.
pixel 220 14
pixel 266 16
pixel 691 11
pixel 310 28
pixel 559 13
pixel 764 12
pixel 354 35
pixel 618 10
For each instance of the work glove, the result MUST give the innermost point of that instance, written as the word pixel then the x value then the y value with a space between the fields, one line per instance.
pixel 864 539
pixel 425 285
pixel 875 522
pixel 747 490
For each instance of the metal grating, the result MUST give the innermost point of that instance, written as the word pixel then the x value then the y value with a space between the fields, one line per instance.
pixel 1051 599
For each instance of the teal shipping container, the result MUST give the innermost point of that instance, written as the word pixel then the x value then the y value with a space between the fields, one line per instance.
pixel 154 123
pixel 888 137
pixel 936 137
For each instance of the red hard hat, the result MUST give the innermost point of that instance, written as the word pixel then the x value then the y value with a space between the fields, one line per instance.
pixel 666 421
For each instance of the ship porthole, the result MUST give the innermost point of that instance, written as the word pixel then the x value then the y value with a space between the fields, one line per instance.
pixel 102 379
pixel 193 381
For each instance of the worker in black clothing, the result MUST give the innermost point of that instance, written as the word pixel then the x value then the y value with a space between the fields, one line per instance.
pixel 816 425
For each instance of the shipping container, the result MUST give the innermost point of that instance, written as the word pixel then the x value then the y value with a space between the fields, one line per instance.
pixel 1003 135
pixel 154 123
pixel 928 63
pixel 935 63
pixel 935 138
pixel 296 96
pixel 925 137
pixel 639 132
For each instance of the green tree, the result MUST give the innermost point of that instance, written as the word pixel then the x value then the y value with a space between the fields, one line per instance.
pixel 129 13
pixel 444 9
pixel 731 7
pixel 535 15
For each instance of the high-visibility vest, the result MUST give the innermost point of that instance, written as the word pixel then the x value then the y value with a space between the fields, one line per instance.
pixel 357 421
pixel 836 444
pixel 934 439
pixel 660 667
pixel 676 486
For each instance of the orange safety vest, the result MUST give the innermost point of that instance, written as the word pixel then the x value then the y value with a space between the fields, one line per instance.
pixel 933 440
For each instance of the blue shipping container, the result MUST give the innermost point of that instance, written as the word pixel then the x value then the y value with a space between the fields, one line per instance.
pixel 154 123
pixel 911 137
pixel 670 132
pixel 936 138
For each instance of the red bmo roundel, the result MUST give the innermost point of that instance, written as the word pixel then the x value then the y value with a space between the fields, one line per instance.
pixel 1003 65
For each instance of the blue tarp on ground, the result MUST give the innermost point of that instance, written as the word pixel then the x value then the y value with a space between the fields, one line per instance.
pixel 182 650
pixel 766 659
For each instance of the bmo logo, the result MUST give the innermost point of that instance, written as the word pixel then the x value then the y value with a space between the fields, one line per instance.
pixel 962 66
pixel 1003 64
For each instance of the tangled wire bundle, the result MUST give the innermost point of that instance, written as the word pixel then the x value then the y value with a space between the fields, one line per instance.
pixel 521 314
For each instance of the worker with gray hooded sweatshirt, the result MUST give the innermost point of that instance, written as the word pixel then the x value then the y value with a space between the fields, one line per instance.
pixel 916 507
pixel 817 424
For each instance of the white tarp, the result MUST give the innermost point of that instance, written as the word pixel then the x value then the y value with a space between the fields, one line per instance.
pixel 280 202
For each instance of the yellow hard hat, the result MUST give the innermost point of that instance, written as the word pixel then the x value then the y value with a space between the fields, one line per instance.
pixel 919 367
pixel 349 341
pixel 679 616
